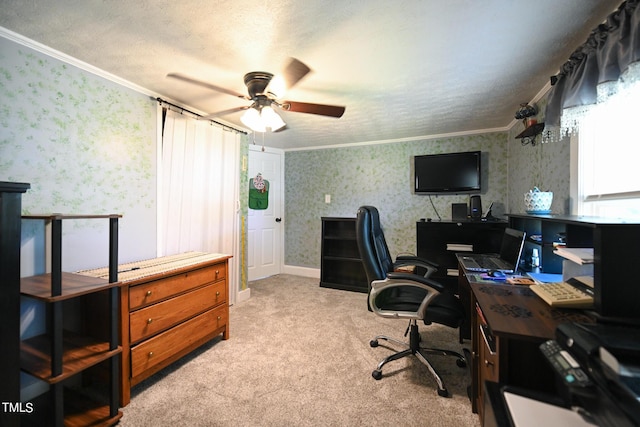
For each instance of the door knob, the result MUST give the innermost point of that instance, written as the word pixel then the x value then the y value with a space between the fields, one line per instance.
pixel 278 219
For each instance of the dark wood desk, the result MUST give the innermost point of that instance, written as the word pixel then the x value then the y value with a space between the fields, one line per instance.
pixel 508 324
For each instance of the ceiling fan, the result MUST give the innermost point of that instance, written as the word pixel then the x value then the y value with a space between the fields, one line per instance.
pixel 264 91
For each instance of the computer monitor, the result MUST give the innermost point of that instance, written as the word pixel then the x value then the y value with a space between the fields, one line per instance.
pixel 511 247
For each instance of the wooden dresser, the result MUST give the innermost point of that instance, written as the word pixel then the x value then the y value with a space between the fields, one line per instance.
pixel 170 306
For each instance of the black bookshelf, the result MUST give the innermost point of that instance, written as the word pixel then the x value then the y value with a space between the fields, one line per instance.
pixel 341 266
pixel 10 229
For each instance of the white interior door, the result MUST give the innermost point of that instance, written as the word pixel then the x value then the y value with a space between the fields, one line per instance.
pixel 265 227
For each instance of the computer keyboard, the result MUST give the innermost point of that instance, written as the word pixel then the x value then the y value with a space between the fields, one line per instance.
pixel 573 293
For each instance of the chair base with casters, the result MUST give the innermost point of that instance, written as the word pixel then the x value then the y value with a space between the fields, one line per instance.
pixel 413 348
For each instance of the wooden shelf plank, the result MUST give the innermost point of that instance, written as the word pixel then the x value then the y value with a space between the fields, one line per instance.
pixel 84 407
pixel 79 353
pixel 73 285
pixel 53 216
pixel 532 130
pixel 80 410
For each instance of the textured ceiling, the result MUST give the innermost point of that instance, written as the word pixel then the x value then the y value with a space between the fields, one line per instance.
pixel 403 69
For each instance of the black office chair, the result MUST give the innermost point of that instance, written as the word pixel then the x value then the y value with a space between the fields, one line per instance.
pixel 404 296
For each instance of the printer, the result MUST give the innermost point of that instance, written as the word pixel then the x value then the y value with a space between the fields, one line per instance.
pixel 600 371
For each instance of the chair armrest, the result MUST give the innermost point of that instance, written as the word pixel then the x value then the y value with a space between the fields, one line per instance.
pixel 432 284
pixel 402 280
pixel 404 260
pixel 412 258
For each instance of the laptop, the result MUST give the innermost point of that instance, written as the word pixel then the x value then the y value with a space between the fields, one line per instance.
pixel 508 259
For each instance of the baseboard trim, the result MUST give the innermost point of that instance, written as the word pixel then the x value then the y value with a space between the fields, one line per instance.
pixel 243 295
pixel 301 271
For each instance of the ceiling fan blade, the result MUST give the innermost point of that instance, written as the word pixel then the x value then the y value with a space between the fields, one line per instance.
pixel 292 74
pixel 320 109
pixel 206 85
pixel 225 112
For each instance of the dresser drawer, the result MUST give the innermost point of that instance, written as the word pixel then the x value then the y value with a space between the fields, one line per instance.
pixel 158 290
pixel 163 315
pixel 155 350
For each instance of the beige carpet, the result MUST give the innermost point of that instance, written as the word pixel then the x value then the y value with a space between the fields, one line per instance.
pixel 299 355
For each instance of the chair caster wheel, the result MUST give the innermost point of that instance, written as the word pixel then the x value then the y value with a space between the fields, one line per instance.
pixel 443 392
pixel 373 343
pixel 461 363
pixel 377 374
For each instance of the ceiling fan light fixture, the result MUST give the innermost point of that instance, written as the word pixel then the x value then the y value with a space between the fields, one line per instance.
pixel 259 121
pixel 251 118
pixel 271 119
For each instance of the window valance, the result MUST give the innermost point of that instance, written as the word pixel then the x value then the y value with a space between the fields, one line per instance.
pixel 606 64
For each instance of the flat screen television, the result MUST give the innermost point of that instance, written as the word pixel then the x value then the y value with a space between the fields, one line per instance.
pixel 449 173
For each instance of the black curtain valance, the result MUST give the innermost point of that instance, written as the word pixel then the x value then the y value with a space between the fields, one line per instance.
pixel 595 68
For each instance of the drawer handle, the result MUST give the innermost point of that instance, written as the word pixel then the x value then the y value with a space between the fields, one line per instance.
pixel 149 320
pixel 218 293
pixel 487 363
pixel 148 293
pixel 150 353
pixel 217 272
pixel 219 317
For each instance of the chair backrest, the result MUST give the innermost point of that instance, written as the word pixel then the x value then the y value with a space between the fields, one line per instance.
pixel 373 248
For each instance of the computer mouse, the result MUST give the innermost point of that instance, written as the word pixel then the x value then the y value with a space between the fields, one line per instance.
pixel 495 273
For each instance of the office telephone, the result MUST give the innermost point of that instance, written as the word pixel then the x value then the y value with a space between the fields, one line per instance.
pixel 567 368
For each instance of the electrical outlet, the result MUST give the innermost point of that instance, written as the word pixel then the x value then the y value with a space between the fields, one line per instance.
pixel 327 198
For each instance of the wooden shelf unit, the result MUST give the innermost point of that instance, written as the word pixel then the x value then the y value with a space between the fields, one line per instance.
pixel 341 266
pixel 59 355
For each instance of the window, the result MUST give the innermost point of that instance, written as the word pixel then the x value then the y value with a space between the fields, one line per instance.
pixel 607 159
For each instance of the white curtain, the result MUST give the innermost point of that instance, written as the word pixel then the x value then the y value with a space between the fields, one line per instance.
pixel 199 190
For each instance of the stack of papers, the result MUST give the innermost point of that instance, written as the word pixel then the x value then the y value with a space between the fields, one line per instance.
pixel 459 247
pixel 529 412
pixel 577 255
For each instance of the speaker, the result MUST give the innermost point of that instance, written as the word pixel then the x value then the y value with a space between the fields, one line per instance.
pixel 475 207
pixel 459 211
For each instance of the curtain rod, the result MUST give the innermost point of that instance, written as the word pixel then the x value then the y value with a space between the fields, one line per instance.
pixel 182 109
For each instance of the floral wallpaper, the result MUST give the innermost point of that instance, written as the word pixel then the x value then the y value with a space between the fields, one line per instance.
pixel 543 165
pixel 378 175
pixel 86 146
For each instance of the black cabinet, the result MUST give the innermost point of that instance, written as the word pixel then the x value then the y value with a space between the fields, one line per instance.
pixel 615 244
pixel 341 266
pixel 10 228
pixel 439 241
